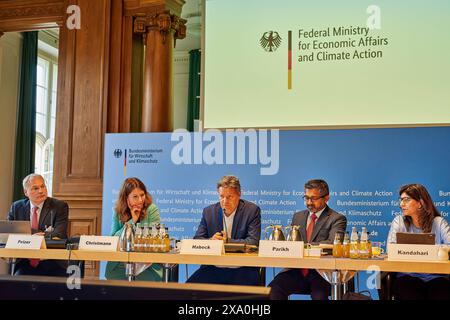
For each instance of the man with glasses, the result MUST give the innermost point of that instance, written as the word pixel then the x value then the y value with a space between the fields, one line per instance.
pixel 48 217
pixel 318 224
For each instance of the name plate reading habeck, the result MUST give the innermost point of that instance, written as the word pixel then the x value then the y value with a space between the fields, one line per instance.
pixel 285 249
pixel 98 243
pixel 206 247
pixel 412 252
pixel 25 241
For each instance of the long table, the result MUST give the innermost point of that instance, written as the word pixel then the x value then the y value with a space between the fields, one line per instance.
pixel 234 259
pixel 335 270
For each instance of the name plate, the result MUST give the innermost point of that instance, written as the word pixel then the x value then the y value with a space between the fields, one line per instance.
pixel 205 247
pixel 285 249
pixel 98 243
pixel 25 241
pixel 412 252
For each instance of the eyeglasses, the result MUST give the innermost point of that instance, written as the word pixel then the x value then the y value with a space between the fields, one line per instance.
pixel 405 200
pixel 313 199
pixel 136 197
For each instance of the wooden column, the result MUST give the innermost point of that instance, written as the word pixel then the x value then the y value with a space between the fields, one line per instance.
pixel 160 31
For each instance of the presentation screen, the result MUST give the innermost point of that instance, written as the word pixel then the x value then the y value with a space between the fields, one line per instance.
pixel 353 63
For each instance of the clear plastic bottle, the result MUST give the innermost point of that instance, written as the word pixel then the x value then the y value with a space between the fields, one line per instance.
pixel 161 233
pixel 364 244
pixel 138 238
pixel 337 246
pixel 346 246
pixel 145 232
pixel 155 240
pixel 165 243
pixel 354 244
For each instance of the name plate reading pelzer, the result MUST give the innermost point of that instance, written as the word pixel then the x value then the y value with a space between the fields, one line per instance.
pixel 98 243
pixel 284 249
pixel 25 241
pixel 206 247
pixel 412 252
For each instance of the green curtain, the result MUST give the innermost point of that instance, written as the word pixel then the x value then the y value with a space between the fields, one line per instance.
pixel 26 113
pixel 194 88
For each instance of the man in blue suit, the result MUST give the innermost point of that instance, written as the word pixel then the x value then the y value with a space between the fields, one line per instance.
pixel 232 220
pixel 48 217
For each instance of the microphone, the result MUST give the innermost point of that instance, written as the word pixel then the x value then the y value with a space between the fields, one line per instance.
pixel 55 243
pixel 52 214
pixel 224 225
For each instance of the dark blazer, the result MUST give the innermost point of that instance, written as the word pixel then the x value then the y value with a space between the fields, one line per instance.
pixel 54 213
pixel 246 223
pixel 325 228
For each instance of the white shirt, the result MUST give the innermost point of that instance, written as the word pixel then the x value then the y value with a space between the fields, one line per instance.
pixel 228 227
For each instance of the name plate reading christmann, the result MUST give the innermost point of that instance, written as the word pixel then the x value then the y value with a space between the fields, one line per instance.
pixel 206 247
pixel 25 241
pixel 284 249
pixel 98 243
pixel 412 252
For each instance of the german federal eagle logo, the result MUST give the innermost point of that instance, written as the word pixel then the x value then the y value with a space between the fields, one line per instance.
pixel 270 41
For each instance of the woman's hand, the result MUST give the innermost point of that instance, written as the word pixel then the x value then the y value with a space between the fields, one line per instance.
pixel 135 213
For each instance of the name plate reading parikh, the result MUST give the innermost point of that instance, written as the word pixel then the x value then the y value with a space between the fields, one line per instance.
pixel 25 241
pixel 412 252
pixel 98 243
pixel 205 247
pixel 284 249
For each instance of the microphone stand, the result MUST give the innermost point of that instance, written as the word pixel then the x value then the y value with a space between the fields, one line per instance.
pixel 225 231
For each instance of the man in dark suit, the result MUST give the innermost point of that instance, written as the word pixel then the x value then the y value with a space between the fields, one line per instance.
pixel 48 217
pixel 232 220
pixel 318 224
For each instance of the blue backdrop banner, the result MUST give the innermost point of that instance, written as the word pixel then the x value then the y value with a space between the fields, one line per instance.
pixel 364 169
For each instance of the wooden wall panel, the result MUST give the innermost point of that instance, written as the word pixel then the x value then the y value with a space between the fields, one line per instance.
pixel 91 72
pixel 94 90
pixel 82 103
pixel 84 65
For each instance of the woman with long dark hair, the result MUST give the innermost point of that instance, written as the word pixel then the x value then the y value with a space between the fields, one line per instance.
pixel 420 216
pixel 134 205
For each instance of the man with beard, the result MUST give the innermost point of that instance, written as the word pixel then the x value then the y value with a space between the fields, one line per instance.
pixel 318 224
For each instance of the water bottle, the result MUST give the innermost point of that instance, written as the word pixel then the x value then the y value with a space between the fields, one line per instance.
pixel 138 245
pixel 165 239
pixel 346 246
pixel 145 238
pixel 337 246
pixel 364 244
pixel 354 244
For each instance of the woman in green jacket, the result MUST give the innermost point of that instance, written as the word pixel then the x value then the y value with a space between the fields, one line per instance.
pixel 133 206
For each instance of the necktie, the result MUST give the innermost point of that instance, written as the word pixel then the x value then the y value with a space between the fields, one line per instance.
pixel 309 231
pixel 310 228
pixel 34 227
